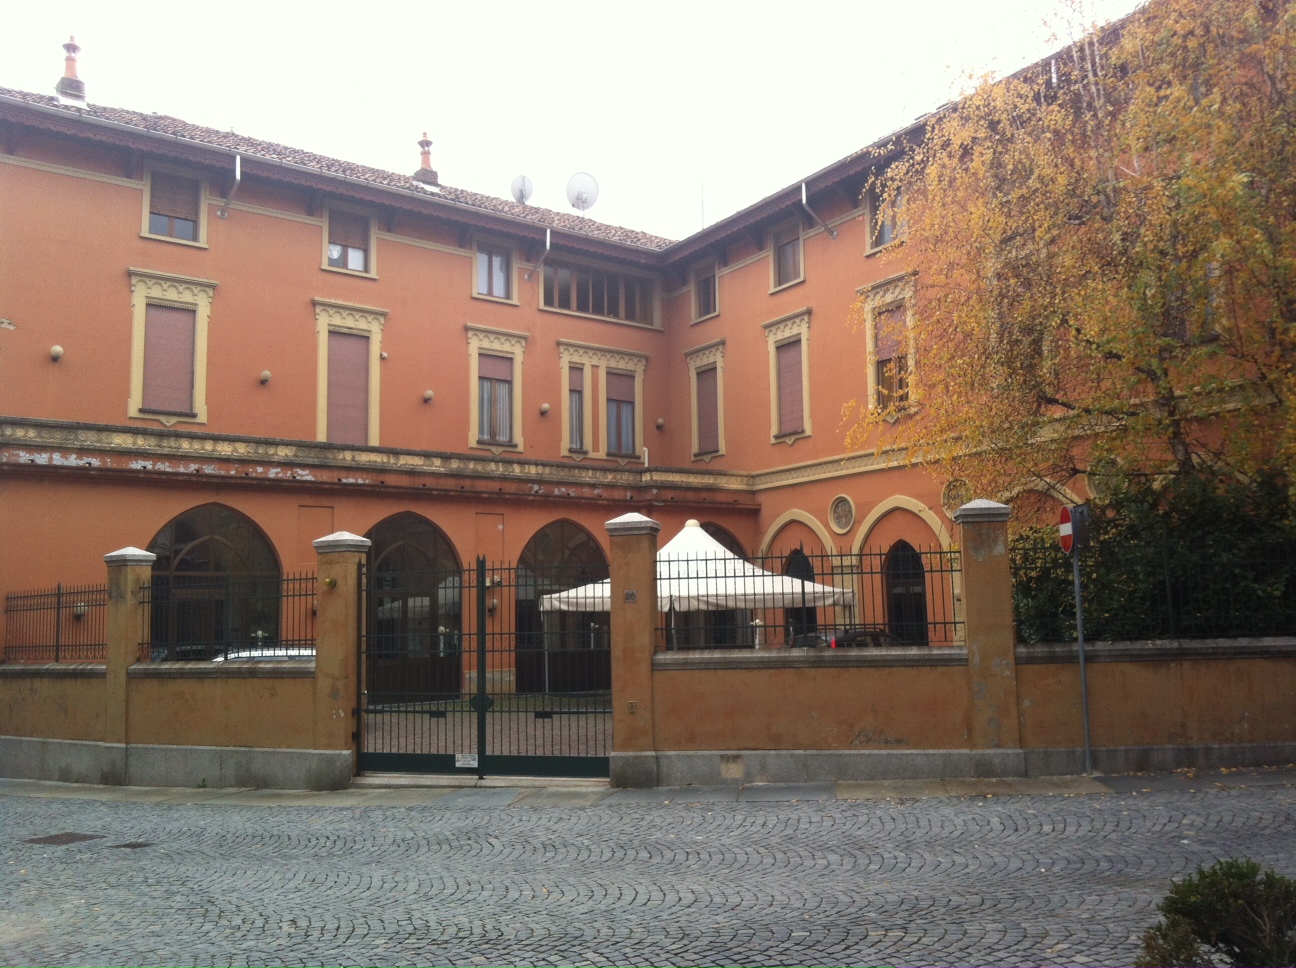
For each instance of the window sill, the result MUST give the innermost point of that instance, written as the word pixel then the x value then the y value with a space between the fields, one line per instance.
pixel 349 272
pixel 703 319
pixel 790 437
pixel 167 418
pixel 602 319
pixel 173 240
pixel 485 297
pixel 787 285
pixel 885 246
pixel 708 455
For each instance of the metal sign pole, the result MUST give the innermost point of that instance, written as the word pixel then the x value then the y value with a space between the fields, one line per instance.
pixel 1084 679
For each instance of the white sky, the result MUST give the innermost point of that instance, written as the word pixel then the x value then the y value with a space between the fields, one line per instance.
pixel 672 105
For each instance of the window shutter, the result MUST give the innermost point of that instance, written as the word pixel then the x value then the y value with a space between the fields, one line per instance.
pixel 346 228
pixel 169 359
pixel 348 388
pixel 791 416
pixel 888 332
pixel 174 196
pixel 621 386
pixel 576 378
pixel 708 411
pixel 495 367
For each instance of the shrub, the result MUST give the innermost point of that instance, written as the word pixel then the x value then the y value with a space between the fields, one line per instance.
pixel 1232 913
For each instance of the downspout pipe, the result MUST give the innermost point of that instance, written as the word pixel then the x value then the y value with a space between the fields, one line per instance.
pixel 223 211
pixel 544 255
pixel 805 203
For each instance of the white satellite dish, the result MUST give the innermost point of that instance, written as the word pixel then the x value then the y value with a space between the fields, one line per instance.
pixel 522 188
pixel 582 191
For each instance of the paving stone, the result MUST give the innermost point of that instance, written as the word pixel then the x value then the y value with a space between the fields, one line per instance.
pixel 590 877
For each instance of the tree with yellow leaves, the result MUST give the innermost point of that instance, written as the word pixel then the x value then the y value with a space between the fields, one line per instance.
pixel 1104 250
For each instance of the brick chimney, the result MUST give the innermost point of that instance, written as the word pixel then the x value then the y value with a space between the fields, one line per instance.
pixel 71 89
pixel 425 173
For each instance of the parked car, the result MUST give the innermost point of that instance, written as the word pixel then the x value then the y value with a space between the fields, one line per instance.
pixel 267 653
pixel 861 636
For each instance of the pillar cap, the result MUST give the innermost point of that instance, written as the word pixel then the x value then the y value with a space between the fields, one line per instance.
pixel 632 523
pixel 340 541
pixel 130 556
pixel 981 511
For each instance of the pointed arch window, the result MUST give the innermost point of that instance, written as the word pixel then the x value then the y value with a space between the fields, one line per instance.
pixel 906 594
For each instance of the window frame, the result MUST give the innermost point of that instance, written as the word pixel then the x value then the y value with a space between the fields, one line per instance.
pixel 371 252
pixel 650 293
pixel 779 237
pixel 894 223
pixel 199 240
pixel 780 332
pixel 178 292
pixel 333 316
pixel 707 271
pixel 490 249
pixel 588 357
pixel 882 297
pixel 703 358
pixel 494 342
pixel 491 409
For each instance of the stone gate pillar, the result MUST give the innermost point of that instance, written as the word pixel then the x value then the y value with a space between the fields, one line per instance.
pixel 988 616
pixel 337 639
pixel 129 570
pixel 633 640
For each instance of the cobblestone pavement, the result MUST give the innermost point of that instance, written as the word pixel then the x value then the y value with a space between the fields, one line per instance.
pixel 817 875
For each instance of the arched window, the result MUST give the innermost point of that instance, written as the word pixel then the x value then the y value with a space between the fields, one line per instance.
pixel 906 594
pixel 560 651
pixel 802 623
pixel 415 612
pixel 215 586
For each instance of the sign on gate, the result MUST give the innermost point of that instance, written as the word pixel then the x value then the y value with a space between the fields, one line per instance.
pixel 1064 529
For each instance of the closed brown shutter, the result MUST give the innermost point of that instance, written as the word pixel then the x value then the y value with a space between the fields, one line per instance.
pixel 348 388
pixel 169 359
pixel 621 386
pixel 495 367
pixel 708 411
pixel 348 229
pixel 888 332
pixel 576 378
pixel 174 196
pixel 790 400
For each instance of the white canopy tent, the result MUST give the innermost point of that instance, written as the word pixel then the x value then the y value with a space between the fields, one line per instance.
pixel 697 573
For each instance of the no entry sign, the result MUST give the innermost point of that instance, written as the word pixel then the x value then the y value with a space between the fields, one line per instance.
pixel 1064 530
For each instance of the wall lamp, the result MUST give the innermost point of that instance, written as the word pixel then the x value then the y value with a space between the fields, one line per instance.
pixel 661 423
pixel 427 396
pixel 265 377
pixel 79 611
pixel 544 409
pixel 56 352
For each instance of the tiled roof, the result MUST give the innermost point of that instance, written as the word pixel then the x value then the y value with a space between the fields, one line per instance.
pixel 176 128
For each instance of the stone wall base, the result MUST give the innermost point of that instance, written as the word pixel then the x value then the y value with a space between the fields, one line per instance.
pixel 115 764
pixel 726 768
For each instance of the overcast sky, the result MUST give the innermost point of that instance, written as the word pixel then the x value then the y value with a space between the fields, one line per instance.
pixel 683 110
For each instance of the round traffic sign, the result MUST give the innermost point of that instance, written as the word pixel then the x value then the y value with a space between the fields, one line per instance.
pixel 1064 529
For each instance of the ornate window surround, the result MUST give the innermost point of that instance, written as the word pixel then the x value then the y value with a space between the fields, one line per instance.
pixel 787 329
pixel 165 289
pixel 494 342
pixel 883 295
pixel 585 355
pixel 333 316
pixel 701 358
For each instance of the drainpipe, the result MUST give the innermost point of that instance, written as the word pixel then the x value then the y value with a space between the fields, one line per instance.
pixel 548 244
pixel 223 211
pixel 805 203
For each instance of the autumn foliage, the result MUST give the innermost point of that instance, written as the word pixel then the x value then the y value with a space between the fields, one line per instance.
pixel 1104 248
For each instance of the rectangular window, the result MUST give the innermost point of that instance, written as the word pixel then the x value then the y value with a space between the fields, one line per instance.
pixel 594 292
pixel 787 256
pixel 348 388
pixel 174 206
pixel 348 240
pixel 169 344
pixel 576 408
pixel 708 411
pixel 621 414
pixel 494 273
pixel 791 417
pixel 891 366
pixel 495 399
pixel 704 293
pixel 887 217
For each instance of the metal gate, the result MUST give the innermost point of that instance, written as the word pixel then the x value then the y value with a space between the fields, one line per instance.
pixel 463 672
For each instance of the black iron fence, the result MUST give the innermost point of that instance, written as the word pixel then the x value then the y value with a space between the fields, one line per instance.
pixel 1149 592
pixel 66 623
pixel 899 596
pixel 217 617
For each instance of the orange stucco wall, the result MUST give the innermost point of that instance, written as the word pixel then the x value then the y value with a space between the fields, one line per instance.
pixel 54 707
pixel 811 709
pixel 1151 703
pixel 270 713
